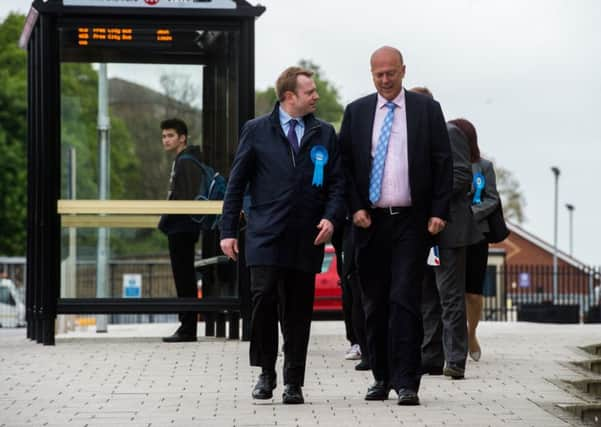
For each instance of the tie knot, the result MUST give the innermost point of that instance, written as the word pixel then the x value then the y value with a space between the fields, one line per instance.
pixel 390 105
pixel 293 123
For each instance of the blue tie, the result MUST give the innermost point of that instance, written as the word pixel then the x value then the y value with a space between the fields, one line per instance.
pixel 292 138
pixel 377 167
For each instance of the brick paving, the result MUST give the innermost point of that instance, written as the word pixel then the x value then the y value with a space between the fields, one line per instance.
pixel 128 377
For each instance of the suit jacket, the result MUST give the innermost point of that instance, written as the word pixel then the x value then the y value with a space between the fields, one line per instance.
pixel 429 156
pixel 461 229
pixel 490 196
pixel 284 207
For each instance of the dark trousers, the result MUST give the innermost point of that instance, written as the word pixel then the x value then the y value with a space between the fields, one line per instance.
pixel 288 294
pixel 352 302
pixel 181 252
pixel 352 285
pixel 342 259
pixel 443 309
pixel 450 281
pixel 432 352
pixel 391 268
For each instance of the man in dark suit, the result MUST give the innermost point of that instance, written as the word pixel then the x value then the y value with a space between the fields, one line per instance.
pixel 398 166
pixel 290 162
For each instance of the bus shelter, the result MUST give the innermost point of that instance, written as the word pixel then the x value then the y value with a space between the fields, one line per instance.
pixel 102 75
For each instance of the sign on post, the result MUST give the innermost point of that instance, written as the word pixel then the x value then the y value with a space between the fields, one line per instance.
pixel 132 286
pixel 524 280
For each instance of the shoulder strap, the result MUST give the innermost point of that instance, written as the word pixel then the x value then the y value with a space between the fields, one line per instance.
pixel 191 157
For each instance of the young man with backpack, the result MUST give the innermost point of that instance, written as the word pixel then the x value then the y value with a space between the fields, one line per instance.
pixel 187 177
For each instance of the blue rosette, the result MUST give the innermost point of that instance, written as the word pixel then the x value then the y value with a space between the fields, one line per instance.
pixel 479 183
pixel 319 157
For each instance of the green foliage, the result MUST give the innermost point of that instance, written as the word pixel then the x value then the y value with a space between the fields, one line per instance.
pixel 79 95
pixel 264 101
pixel 329 107
pixel 13 128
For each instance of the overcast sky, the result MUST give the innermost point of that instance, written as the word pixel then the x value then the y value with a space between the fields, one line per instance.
pixel 526 73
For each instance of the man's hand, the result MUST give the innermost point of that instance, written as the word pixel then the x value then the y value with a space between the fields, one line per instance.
pixel 230 248
pixel 361 218
pixel 436 225
pixel 326 229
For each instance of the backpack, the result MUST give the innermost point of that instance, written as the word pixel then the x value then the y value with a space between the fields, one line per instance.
pixel 212 187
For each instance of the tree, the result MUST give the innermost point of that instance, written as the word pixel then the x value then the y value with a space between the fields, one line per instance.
pixel 79 109
pixel 329 107
pixel 513 199
pixel 13 132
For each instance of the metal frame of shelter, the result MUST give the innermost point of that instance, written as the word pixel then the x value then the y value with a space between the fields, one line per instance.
pixel 42 40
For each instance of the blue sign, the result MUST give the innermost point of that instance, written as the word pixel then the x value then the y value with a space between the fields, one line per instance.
pixel 132 286
pixel 524 280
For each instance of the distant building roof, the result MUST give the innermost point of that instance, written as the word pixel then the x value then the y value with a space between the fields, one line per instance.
pixel 547 247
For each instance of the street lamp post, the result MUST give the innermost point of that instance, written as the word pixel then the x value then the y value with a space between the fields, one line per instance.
pixel 556 173
pixel 570 208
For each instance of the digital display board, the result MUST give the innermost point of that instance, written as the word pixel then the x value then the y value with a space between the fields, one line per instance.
pixel 172 4
pixel 117 41
pixel 103 35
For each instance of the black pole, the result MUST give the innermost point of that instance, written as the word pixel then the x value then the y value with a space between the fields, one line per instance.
pixel 37 180
pixel 51 172
pixel 31 114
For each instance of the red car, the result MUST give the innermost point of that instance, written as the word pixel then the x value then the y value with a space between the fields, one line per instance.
pixel 328 293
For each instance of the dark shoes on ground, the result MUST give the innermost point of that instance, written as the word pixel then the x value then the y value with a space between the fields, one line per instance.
pixel 454 372
pixel 431 370
pixel 180 336
pixel 407 397
pixel 379 390
pixel 265 385
pixel 293 395
pixel 362 366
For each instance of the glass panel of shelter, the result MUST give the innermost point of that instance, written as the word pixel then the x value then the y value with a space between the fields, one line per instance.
pixel 153 72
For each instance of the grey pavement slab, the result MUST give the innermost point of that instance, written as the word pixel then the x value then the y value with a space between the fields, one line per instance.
pixel 128 377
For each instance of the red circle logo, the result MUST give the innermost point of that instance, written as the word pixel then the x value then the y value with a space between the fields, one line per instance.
pixel 151 2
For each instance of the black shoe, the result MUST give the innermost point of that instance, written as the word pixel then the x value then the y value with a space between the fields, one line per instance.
pixel 454 372
pixel 293 394
pixel 407 397
pixel 179 336
pixel 431 370
pixel 362 366
pixel 265 385
pixel 378 391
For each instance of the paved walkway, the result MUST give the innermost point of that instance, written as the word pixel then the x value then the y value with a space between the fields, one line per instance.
pixel 129 378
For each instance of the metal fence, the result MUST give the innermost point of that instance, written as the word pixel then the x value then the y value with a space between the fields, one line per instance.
pixel 511 293
pixel 525 292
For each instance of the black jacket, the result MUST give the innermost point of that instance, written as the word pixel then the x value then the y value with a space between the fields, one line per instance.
pixel 285 207
pixel 184 184
pixel 428 150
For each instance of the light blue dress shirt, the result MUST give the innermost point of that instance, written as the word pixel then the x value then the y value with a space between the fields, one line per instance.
pixel 285 123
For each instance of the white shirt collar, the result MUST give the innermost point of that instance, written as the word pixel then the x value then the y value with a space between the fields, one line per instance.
pixel 399 101
pixel 285 118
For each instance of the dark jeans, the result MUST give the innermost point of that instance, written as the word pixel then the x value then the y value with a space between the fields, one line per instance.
pixel 181 252
pixel 391 269
pixel 289 294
